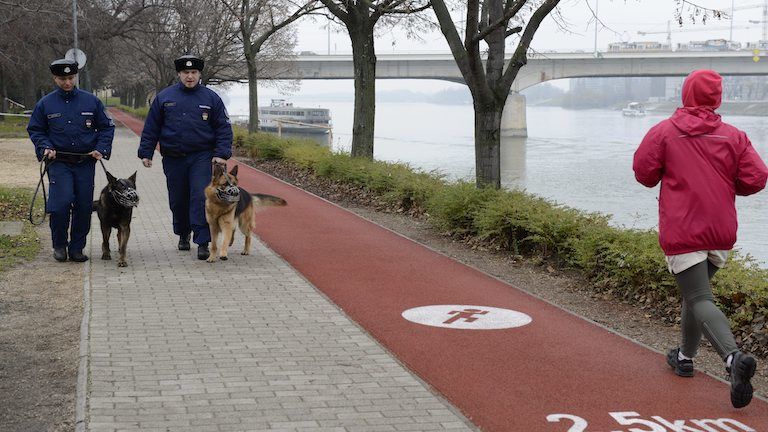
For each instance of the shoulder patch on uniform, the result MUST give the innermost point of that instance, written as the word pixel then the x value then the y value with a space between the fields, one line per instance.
pixel 169 104
pixel 204 106
pixel 54 115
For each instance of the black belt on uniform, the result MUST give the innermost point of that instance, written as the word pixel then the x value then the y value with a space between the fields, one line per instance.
pixel 172 153
pixel 72 158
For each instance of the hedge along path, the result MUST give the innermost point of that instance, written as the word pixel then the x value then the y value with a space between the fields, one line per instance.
pixel 532 366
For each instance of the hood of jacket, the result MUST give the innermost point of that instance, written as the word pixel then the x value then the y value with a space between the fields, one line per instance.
pixel 702 94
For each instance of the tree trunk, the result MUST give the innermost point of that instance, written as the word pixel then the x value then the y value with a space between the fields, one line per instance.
pixel 488 146
pixel 364 61
pixel 253 97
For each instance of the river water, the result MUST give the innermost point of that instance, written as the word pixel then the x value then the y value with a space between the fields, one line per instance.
pixel 578 158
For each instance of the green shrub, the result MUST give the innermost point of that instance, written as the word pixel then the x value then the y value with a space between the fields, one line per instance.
pixel 14 203
pixel 13 127
pixel 631 261
pixel 411 190
pixel 453 207
pixel 307 156
pixel 741 289
pixel 140 112
pixel 111 101
pixel 239 137
pixel 14 206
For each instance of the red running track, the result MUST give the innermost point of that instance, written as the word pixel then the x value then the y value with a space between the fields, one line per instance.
pixel 560 373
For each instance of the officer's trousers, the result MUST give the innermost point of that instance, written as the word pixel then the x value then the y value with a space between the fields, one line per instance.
pixel 70 203
pixel 186 178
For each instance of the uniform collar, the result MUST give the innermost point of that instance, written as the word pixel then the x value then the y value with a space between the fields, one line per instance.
pixel 182 87
pixel 67 94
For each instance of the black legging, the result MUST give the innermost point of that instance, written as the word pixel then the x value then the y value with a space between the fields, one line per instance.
pixel 700 314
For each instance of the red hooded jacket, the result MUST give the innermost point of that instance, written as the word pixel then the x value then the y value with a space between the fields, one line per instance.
pixel 702 163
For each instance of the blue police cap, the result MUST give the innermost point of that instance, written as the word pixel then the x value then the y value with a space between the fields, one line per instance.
pixel 63 67
pixel 188 62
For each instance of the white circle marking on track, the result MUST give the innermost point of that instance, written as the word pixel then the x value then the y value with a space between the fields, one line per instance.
pixel 467 317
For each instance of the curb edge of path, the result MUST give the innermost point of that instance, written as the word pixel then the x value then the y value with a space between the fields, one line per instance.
pixel 81 393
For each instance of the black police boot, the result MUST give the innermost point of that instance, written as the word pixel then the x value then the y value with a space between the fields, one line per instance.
pixel 202 252
pixel 184 242
pixel 60 254
pixel 77 256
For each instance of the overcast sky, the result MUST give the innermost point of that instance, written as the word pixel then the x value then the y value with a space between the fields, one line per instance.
pixel 622 19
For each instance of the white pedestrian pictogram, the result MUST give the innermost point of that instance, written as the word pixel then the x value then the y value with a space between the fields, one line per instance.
pixel 466 317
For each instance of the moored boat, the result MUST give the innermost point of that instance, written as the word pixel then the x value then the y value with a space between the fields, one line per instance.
pixel 282 116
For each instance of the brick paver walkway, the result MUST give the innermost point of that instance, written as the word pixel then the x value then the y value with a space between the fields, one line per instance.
pixel 177 344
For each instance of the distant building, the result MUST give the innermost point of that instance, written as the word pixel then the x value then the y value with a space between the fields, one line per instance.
pixel 760 45
pixel 637 46
pixel 710 45
pixel 745 88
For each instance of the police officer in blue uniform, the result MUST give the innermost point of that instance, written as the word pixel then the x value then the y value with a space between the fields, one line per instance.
pixel 192 127
pixel 71 130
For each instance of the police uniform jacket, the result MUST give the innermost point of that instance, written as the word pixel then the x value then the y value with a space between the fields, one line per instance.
pixel 71 121
pixel 187 121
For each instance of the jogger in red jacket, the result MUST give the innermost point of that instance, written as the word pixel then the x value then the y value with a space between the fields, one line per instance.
pixel 702 164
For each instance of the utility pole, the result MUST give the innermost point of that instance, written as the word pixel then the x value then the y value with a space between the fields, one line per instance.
pixel 596 23
pixel 74 26
pixel 765 20
pixel 730 37
pixel 74 20
pixel 669 35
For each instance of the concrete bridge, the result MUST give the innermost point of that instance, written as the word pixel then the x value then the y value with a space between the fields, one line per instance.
pixel 541 67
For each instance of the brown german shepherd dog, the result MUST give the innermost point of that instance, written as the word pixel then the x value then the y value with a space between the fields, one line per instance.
pixel 225 201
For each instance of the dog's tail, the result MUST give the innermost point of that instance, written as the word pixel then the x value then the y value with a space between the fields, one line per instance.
pixel 268 200
pixel 95 206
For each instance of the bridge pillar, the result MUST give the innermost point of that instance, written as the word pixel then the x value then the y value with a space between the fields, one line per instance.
pixel 513 121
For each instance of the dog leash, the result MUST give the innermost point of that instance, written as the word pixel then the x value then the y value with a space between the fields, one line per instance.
pixel 44 164
pixel 40 184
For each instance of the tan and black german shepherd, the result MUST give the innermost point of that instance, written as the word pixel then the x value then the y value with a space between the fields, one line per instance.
pixel 221 213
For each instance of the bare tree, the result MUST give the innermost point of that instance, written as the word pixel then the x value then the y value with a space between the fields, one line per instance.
pixel 142 62
pixel 260 21
pixel 208 29
pixel 360 18
pixel 490 77
pixel 25 51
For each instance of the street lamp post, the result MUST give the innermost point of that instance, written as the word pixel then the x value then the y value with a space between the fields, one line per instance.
pixel 74 20
pixel 74 27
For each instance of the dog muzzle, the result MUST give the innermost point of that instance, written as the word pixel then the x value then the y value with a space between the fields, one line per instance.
pixel 126 198
pixel 228 193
